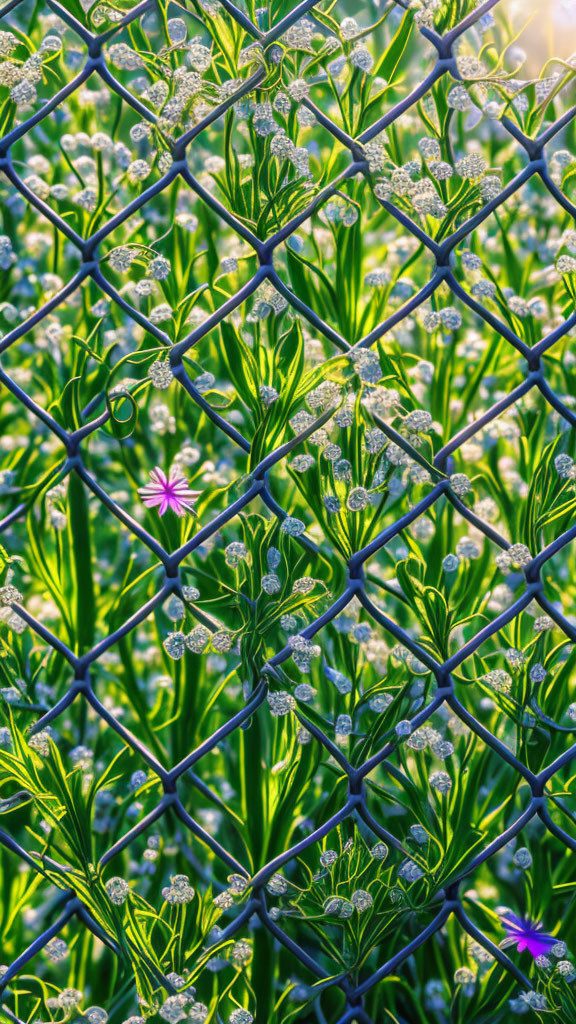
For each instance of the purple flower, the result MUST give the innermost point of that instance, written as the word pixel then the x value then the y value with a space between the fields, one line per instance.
pixel 170 491
pixel 526 934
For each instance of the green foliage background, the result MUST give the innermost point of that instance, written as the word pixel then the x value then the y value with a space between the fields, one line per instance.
pixel 341 304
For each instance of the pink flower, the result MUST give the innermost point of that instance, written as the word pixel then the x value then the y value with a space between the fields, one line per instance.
pixel 525 934
pixel 170 491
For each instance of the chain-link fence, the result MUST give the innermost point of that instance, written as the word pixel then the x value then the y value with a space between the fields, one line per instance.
pixel 81 688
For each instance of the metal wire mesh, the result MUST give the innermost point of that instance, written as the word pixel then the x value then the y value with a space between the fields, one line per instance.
pixel 81 687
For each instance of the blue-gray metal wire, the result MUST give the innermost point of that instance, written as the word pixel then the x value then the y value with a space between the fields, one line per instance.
pixel 355 804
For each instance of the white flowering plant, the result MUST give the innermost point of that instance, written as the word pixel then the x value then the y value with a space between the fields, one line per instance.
pixel 287 497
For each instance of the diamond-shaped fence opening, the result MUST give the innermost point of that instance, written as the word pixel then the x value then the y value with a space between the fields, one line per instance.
pixel 364 776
